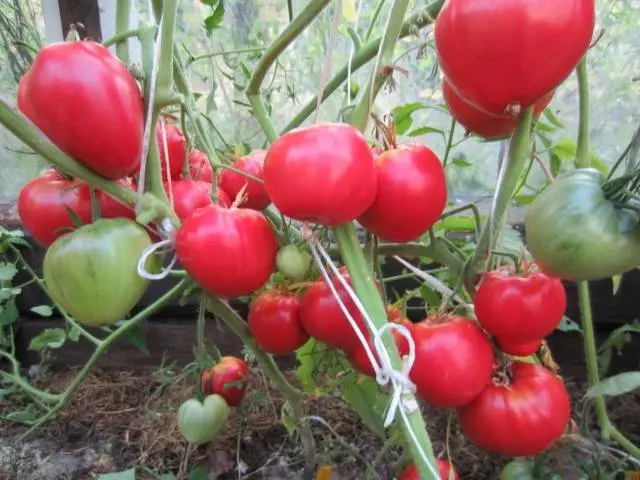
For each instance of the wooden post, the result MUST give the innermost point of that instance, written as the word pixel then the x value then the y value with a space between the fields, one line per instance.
pixel 60 15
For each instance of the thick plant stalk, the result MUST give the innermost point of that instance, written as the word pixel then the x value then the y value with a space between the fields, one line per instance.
pixel 583 160
pixel 123 8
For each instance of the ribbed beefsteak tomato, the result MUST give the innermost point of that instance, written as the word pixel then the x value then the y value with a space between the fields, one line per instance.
pixel 446 471
pixel 229 252
pixel 43 204
pixel 88 104
pixel 454 360
pixel 504 55
pixel 526 416
pixel 199 166
pixel 227 378
pixel 190 195
pixel 411 194
pixel 232 182
pixel 519 308
pixel 574 232
pixel 481 123
pixel 274 321
pixel 92 272
pixel 176 144
pixel 321 173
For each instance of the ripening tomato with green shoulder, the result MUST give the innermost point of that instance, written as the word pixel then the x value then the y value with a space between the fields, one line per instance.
pixel 576 232
pixel 233 182
pixel 200 422
pixel 228 378
pixel 44 203
pixel 478 122
pixel 453 362
pixel 229 252
pixel 187 196
pixel 83 98
pixel 274 321
pixel 92 272
pixel 534 47
pixel 520 307
pixel 176 145
pixel 411 194
pixel 322 173
pixel 445 469
pixel 527 414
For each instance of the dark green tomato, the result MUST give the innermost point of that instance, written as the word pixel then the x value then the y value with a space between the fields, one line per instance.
pixel 574 232
pixel 92 271
pixel 518 470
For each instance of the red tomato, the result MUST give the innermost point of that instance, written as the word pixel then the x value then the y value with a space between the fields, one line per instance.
pixel 454 360
pixel 519 349
pixel 88 104
pixel 412 194
pixel 175 146
pixel 199 166
pixel 190 195
pixel 274 321
pixel 112 208
pixel 481 123
pixel 519 308
pixel 321 173
pixel 232 182
pixel 43 204
pixel 323 318
pixel 444 468
pixel 230 252
pixel 501 54
pixel 217 380
pixel 526 417
pixel 360 360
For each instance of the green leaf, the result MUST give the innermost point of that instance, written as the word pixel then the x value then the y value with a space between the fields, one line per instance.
pixel 135 336
pixel 461 162
pixel 286 419
pixel 27 416
pixel 615 386
pixel 617 281
pixel 213 21
pixel 49 338
pixel 620 337
pixel 198 473
pixel 402 116
pixel 366 399
pixel 123 475
pixel 525 199
pixel 308 357
pixel 74 218
pixel 74 333
pixel 568 325
pixel 424 131
pixel 8 313
pixel 430 297
pixel 43 310
pixel 7 271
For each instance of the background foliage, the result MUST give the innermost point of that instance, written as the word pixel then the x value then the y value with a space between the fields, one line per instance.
pixel 614 75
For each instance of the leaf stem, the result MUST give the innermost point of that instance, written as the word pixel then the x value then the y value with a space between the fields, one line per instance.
pixel 374 19
pixel 191 60
pixel 583 159
pixel 123 7
pixel 23 384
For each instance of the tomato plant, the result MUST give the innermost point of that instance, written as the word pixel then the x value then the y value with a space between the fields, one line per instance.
pixel 293 262
pixel 518 470
pixel 233 182
pixel 521 69
pixel 454 360
pixel 481 123
pixel 575 232
pixel 446 471
pixel 92 271
pixel 309 179
pixel 190 195
pixel 411 194
pixel 227 378
pixel 274 321
pixel 527 415
pixel 201 422
pixel 101 123
pixel 176 145
pixel 229 251
pixel 519 308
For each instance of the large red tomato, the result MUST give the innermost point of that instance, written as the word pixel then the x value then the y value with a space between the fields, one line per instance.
pixel 112 208
pixel 481 123
pixel 43 204
pixel 230 252
pixel 321 173
pixel 519 308
pixel 227 378
pixel 199 166
pixel 504 55
pixel 525 417
pixel 274 321
pixel 454 360
pixel 323 318
pixel 360 360
pixel 232 182
pixel 412 194
pixel 524 349
pixel 88 104
pixel 444 469
pixel 190 195
pixel 175 146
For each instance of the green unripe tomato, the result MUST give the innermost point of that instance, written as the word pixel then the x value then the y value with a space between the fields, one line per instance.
pixel 92 272
pixel 201 422
pixel 518 470
pixel 292 262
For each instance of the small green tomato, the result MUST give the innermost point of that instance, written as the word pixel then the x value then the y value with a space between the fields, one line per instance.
pixel 292 262
pixel 200 422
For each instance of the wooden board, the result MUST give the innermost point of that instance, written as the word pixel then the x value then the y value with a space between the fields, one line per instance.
pixel 86 12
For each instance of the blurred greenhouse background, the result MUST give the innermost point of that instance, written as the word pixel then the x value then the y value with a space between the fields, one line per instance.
pixel 249 25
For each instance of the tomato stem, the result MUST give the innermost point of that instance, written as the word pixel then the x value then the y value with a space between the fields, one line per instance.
pixel 519 150
pixel 123 8
pixel 583 159
pixel 293 396
pixel 125 35
pixel 200 335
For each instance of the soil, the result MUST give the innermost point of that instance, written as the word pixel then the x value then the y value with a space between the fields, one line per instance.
pixel 118 420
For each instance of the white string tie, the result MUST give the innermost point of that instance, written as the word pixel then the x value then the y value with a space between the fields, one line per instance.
pixel 168 235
